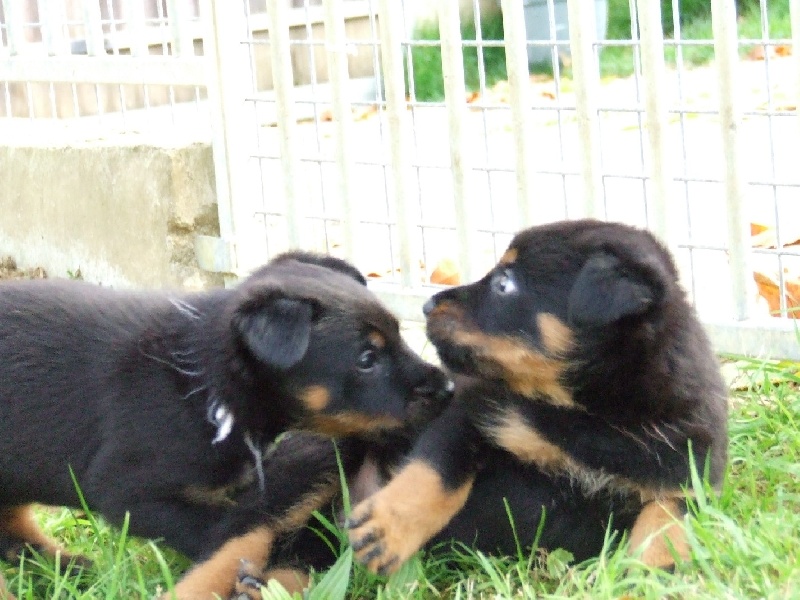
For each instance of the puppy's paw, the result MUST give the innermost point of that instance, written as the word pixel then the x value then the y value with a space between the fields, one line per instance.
pixel 248 583
pixel 391 525
pixel 377 535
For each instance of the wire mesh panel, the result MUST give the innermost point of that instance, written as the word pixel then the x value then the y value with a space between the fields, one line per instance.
pixel 118 59
pixel 416 137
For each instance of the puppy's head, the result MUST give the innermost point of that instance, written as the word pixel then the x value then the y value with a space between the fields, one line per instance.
pixel 317 347
pixel 560 293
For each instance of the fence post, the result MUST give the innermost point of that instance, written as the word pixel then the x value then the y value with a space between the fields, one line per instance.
pixel 794 8
pixel 227 64
pixel 283 79
pixel 726 51
pixel 654 75
pixel 336 46
pixel 390 24
pixel 586 78
pixel 455 99
pixel 519 86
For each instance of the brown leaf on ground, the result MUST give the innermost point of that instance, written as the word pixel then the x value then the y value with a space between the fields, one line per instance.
pixel 783 50
pixel 446 273
pixel 769 288
pixel 760 52
pixel 768 237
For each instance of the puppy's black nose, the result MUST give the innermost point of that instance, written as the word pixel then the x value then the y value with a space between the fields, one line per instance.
pixel 428 306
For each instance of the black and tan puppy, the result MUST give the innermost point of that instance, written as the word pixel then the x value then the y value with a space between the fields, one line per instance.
pixel 161 405
pixel 594 384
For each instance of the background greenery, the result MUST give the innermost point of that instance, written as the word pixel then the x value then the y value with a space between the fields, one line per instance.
pixel 614 60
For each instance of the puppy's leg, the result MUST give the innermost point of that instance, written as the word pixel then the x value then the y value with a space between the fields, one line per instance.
pixel 299 477
pixel 18 529
pixel 216 576
pixel 387 528
pixel 658 533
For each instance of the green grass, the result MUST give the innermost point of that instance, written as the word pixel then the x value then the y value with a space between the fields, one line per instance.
pixel 744 542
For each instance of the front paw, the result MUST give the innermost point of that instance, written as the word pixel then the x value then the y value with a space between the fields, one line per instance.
pixel 248 583
pixel 374 537
pixel 389 527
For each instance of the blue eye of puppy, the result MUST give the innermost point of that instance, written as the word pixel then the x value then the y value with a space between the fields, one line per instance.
pixel 503 282
pixel 367 358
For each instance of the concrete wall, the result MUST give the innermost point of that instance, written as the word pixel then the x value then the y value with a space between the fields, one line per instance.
pixel 124 209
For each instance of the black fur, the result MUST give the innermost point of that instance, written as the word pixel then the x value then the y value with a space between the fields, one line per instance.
pixel 161 404
pixel 592 379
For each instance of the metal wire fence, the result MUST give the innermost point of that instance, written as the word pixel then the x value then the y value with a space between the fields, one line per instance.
pixel 347 126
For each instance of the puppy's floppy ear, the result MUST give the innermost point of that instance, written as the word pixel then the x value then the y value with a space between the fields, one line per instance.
pixel 603 292
pixel 276 329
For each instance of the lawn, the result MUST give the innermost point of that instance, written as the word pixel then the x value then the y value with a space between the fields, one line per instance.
pixel 744 542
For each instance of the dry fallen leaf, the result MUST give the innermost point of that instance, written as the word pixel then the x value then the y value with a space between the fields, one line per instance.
pixel 769 289
pixel 446 273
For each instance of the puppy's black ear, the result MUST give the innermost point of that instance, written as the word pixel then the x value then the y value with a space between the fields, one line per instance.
pixel 276 330
pixel 604 292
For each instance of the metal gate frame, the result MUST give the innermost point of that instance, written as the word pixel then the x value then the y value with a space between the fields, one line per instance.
pixel 228 91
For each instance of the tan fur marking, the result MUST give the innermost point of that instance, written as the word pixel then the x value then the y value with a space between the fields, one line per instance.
pixel 349 423
pixel 556 336
pixel 658 531
pixel 206 496
pixel 315 397
pixel 526 371
pixel 509 256
pixel 377 339
pixel 217 575
pixel 300 512
pixel 514 435
pixel 19 523
pixel 408 511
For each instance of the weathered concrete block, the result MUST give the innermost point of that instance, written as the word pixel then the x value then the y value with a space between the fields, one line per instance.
pixel 122 208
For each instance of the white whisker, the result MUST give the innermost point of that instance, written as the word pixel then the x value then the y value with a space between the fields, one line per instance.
pixel 186 308
pixel 258 457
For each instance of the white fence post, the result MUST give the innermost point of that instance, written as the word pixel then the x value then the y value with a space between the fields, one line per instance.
pixel 582 35
pixel 519 91
pixel 455 94
pixel 654 74
pixel 726 49
pixel 794 8
pixel 227 62
pixel 390 24
pixel 283 80
pixel 14 30
pixel 336 42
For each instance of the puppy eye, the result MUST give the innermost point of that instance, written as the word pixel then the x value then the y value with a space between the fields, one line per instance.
pixel 503 283
pixel 367 359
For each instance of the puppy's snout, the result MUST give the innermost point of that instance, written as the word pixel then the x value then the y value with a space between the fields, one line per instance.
pixel 428 307
pixel 436 391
